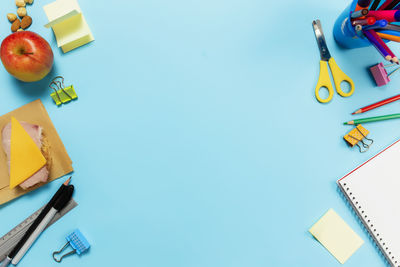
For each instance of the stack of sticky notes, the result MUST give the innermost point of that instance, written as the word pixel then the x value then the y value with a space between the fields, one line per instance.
pixel 68 24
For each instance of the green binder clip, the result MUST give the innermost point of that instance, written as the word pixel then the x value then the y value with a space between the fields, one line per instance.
pixel 61 93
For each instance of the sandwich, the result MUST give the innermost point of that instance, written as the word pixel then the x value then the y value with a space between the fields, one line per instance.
pixel 27 151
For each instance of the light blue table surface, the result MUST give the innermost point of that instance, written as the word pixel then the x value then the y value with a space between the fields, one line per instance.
pixel 196 140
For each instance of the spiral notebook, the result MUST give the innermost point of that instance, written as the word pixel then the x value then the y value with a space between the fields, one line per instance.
pixel 373 190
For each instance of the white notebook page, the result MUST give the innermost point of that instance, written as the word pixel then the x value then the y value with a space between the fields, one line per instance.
pixel 373 189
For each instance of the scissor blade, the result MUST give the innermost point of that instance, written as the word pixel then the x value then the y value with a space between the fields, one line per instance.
pixel 319 35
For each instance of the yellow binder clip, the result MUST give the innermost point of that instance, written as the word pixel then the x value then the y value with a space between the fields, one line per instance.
pixel 62 94
pixel 359 135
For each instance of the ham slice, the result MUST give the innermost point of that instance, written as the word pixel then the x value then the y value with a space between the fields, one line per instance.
pixel 35 132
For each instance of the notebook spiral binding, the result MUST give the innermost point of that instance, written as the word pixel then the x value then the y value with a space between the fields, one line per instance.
pixel 368 224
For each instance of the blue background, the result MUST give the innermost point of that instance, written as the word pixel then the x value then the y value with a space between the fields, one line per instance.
pixel 196 139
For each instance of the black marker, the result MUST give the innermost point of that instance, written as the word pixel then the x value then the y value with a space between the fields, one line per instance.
pixel 57 203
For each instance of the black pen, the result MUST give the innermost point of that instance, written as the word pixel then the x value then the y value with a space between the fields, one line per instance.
pixel 57 202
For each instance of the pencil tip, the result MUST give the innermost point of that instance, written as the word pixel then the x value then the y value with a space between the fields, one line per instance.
pixel 356 112
pixel 67 181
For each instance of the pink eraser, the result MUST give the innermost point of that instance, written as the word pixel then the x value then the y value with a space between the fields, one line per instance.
pixel 380 74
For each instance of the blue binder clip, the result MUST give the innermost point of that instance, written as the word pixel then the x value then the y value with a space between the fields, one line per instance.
pixel 77 241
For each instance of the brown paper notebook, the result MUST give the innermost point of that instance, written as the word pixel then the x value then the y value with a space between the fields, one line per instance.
pixel 61 163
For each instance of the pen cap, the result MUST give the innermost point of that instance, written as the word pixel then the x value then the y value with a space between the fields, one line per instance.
pixel 382 23
pixel 344 33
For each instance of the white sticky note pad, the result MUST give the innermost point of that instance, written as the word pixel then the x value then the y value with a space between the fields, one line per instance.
pixel 336 236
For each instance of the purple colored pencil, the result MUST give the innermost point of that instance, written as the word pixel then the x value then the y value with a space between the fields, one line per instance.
pixel 371 38
pixel 383 44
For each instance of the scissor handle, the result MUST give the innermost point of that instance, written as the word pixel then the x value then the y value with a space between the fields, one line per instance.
pixel 338 77
pixel 324 81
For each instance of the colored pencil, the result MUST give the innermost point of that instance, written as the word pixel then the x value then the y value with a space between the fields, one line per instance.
pixel 377 25
pixel 373 119
pixel 359 13
pixel 392 4
pixel 377 104
pixel 390 32
pixel 375 5
pixel 368 34
pixel 366 21
pixel 358 28
pixel 389 37
pixel 362 4
pixel 385 4
pixel 392 27
pixel 383 44
pixel 389 15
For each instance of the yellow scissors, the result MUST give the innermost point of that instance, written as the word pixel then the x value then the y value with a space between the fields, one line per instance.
pixel 338 75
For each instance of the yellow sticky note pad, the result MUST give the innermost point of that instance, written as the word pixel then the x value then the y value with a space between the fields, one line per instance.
pixel 68 24
pixel 336 236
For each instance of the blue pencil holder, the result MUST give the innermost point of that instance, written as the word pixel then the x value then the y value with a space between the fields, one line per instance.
pixel 344 33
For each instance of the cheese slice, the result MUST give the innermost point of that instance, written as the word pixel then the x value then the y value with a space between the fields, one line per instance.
pixel 26 157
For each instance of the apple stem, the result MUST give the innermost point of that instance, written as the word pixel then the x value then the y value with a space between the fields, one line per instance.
pixel 28 53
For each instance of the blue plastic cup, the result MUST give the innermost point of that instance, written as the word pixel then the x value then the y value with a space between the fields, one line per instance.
pixel 344 33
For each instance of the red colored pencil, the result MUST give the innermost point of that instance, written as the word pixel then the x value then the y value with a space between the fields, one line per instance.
pixel 377 104
pixel 392 5
pixel 385 4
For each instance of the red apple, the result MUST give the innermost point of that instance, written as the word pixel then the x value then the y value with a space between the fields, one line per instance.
pixel 26 56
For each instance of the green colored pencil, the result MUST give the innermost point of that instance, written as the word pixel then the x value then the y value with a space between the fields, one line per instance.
pixel 372 119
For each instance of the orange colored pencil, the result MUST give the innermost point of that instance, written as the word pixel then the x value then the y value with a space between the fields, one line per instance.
pixel 389 37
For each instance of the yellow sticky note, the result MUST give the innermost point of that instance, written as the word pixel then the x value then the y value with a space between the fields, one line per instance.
pixel 68 24
pixel 336 236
